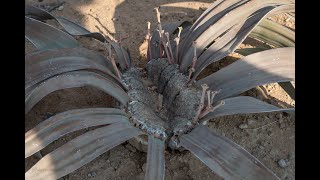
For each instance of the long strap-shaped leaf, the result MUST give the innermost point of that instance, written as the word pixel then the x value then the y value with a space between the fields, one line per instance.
pixel 44 36
pixel 71 80
pixel 41 71
pixel 228 42
pixel 232 39
pixel 239 14
pixel 289 88
pixel 275 65
pixel 80 151
pixel 278 36
pixel 71 27
pixel 94 56
pixel 223 156
pixel 217 7
pixel 271 37
pixel 155 168
pixel 216 11
pixel 242 105
pixel 61 124
pixel 77 30
pixel 281 32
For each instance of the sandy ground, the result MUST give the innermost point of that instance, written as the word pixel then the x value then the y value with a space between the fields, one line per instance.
pixel 127 19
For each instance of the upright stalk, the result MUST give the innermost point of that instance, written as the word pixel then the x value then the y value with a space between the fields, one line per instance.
pixel 169 46
pixel 149 55
pixel 177 40
pixel 112 60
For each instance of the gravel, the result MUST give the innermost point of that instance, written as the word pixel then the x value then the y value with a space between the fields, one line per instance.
pixel 243 126
pixel 283 163
pixel 60 8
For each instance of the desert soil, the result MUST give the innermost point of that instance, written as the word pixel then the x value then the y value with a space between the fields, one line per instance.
pixel 127 19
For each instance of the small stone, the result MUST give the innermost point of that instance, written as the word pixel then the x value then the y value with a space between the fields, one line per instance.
pixel 283 163
pixel 114 19
pixel 108 161
pixel 93 174
pixel 243 126
pixel 89 175
pixel 60 8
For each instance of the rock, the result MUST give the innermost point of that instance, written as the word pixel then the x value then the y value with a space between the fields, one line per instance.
pixel 243 126
pixel 114 19
pixel 92 174
pixel 283 163
pixel 60 8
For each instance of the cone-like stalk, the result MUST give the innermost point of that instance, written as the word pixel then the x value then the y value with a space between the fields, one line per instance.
pixel 169 46
pixel 112 60
pixel 125 59
pixel 209 109
pixel 159 30
pixel 194 60
pixel 177 40
pixel 213 94
pixel 201 105
pixel 149 55
pixel 165 47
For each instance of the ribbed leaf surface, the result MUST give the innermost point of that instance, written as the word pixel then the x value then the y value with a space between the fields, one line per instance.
pixel 44 36
pixel 61 124
pixel 242 105
pixel 223 156
pixel 275 65
pixel 155 168
pixel 80 151
pixel 71 80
